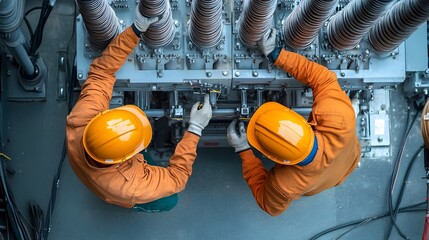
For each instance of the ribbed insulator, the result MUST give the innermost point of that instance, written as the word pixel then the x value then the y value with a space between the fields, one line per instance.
pixel 205 24
pixel 255 20
pixel 160 33
pixel 398 24
pixel 100 21
pixel 347 28
pixel 303 24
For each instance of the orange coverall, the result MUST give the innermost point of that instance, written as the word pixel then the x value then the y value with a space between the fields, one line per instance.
pixel 334 124
pixel 133 181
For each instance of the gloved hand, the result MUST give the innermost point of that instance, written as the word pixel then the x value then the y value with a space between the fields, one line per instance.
pixel 142 23
pixel 200 116
pixel 268 41
pixel 237 140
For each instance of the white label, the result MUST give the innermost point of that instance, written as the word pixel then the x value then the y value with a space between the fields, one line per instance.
pixel 379 127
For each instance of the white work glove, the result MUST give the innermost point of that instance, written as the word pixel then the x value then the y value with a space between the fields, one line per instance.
pixel 237 140
pixel 142 23
pixel 268 41
pixel 201 113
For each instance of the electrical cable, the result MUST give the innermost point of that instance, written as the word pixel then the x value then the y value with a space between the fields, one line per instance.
pixel 407 174
pixel 36 38
pixel 20 226
pixel 410 208
pixel 396 210
pixel 27 23
pixel 394 176
pixel 55 183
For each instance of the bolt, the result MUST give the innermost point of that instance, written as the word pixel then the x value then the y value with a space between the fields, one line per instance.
pixel 208 74
pixel 237 74
pixel 176 23
pixel 343 74
pixel 225 73
pixel 9 73
pixel 80 76
pixel 255 73
pixel 380 139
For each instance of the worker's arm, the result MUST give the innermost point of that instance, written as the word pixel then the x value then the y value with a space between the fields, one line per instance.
pixel 161 182
pixel 332 113
pixel 271 200
pixel 97 90
pixel 254 172
pixel 158 182
pixel 318 77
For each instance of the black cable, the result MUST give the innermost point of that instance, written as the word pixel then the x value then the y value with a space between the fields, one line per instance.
pixel 27 23
pixel 367 220
pixel 393 178
pixel 30 10
pixel 407 173
pixel 37 216
pixel 72 81
pixel 17 221
pixel 36 38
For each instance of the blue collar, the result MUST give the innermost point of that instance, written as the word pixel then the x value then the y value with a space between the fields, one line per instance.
pixel 310 156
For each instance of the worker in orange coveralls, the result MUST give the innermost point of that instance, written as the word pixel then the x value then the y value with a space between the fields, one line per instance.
pixel 104 145
pixel 311 156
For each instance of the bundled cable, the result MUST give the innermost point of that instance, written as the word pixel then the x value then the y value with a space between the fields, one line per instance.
pixel 72 78
pixel 36 38
pixel 394 209
pixel 361 222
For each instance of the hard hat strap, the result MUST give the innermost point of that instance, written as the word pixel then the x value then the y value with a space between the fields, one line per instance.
pixel 310 156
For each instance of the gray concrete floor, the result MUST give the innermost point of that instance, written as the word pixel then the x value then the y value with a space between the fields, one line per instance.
pixel 216 203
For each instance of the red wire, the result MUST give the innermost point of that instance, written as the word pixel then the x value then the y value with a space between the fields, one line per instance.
pixel 426 229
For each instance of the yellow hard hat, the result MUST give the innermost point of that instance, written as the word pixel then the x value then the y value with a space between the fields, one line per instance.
pixel 116 135
pixel 281 134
